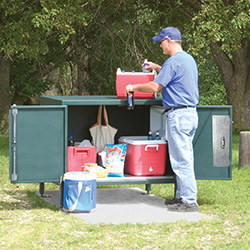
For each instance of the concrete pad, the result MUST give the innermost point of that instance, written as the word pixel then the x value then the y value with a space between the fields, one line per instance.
pixel 127 205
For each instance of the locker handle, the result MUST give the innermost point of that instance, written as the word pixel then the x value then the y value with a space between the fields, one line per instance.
pixel 152 146
pixel 223 142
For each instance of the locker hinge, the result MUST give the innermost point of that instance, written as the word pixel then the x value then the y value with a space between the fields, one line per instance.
pixel 14 114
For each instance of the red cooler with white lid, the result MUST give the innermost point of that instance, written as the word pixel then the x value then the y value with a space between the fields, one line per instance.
pixel 125 78
pixel 144 157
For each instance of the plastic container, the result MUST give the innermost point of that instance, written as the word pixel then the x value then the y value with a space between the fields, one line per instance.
pixel 71 142
pixel 79 193
pixel 145 64
pixel 157 136
pixel 125 78
pixel 144 157
pixel 150 136
pixel 94 168
pixel 77 156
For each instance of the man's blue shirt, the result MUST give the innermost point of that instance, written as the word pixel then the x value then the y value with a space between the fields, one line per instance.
pixel 179 77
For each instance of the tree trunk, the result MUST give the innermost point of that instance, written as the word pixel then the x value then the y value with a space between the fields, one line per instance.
pixel 82 75
pixel 244 149
pixel 235 74
pixel 5 99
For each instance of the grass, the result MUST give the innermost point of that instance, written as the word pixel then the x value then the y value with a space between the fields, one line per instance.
pixel 27 222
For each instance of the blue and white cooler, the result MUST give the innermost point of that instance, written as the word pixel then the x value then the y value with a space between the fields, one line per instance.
pixel 79 192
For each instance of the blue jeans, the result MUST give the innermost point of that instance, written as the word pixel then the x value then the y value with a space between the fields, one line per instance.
pixel 181 127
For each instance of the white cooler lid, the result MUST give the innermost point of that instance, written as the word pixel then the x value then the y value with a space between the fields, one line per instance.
pixel 79 176
pixel 119 72
pixel 140 140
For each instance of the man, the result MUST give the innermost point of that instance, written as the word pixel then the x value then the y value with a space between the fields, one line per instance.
pixel 178 81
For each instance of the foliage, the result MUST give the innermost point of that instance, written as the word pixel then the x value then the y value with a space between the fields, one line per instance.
pixel 96 37
pixel 211 88
pixel 35 36
pixel 25 86
pixel 27 27
pixel 219 21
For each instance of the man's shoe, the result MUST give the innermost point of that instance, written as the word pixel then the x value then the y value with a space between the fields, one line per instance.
pixel 183 207
pixel 173 201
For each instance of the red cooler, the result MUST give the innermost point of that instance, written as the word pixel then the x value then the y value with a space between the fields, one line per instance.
pixel 144 157
pixel 125 78
pixel 77 156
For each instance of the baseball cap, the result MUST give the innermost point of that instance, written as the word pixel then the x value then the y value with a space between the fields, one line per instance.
pixel 168 32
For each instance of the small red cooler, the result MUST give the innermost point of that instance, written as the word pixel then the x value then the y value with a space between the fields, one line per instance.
pixel 125 78
pixel 77 156
pixel 144 157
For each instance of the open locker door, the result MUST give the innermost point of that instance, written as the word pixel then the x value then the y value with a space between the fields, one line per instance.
pixel 212 141
pixel 37 144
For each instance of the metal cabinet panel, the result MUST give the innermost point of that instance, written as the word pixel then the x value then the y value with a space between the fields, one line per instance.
pixel 38 137
pixel 221 140
pixel 206 154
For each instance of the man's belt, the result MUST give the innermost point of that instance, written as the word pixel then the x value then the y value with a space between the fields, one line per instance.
pixel 178 107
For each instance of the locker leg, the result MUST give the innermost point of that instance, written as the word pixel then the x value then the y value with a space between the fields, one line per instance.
pixel 61 191
pixel 148 188
pixel 175 187
pixel 41 189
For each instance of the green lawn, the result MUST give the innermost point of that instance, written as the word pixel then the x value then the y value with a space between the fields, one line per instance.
pixel 27 222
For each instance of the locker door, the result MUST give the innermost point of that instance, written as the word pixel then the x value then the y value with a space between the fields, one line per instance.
pixel 212 141
pixel 37 146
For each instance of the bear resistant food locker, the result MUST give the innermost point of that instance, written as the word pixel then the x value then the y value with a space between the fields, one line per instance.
pixel 39 134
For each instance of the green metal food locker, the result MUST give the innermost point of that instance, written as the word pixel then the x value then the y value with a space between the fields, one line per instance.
pixel 38 137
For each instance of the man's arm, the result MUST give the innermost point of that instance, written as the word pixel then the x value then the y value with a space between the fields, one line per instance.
pixel 148 87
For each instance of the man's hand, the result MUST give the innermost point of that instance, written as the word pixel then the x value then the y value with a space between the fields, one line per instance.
pixel 151 65
pixel 129 88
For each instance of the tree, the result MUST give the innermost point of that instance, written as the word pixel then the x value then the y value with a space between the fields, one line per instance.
pixel 4 90
pixel 96 37
pixel 39 36
pixel 229 40
pixel 223 27
pixel 33 42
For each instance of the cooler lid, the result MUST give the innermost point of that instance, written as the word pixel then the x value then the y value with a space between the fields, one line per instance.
pixel 158 121
pixel 79 176
pixel 140 140
pixel 120 72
